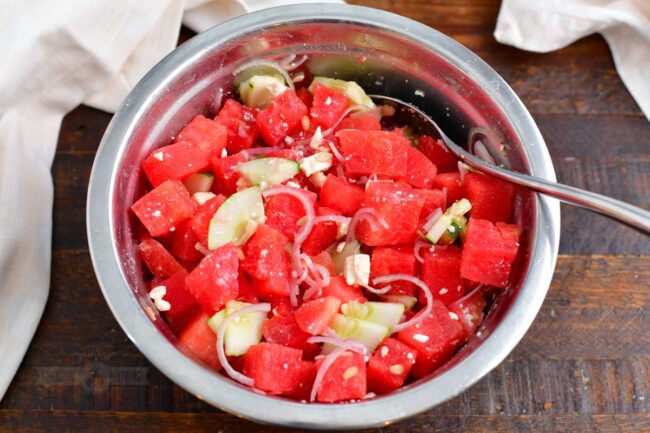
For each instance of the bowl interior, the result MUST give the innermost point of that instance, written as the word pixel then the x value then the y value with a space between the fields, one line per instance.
pixel 372 48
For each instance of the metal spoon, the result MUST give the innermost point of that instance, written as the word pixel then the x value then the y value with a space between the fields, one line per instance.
pixel 633 216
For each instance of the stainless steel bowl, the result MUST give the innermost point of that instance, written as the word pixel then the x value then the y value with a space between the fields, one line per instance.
pixel 387 54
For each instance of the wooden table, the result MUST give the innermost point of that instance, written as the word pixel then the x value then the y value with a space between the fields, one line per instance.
pixel 583 367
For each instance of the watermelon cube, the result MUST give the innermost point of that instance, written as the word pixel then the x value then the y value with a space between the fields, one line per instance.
pixel 226 174
pixel 367 121
pixel 164 208
pixel 399 206
pixel 240 122
pixel 268 263
pixel 180 299
pixel 438 153
pixel 282 328
pixel 246 292
pixel 322 235
pixel 341 290
pixel 451 183
pixel 205 134
pixel 213 282
pixel 324 259
pixel 305 96
pixel 441 272
pixel 314 316
pixel 433 199
pixel 281 118
pixel 381 153
pixel 200 222
pixel 197 338
pixel 159 261
pixel 306 379
pixel 340 195
pixel 283 211
pixel 394 260
pixel 469 311
pixel 435 338
pixel 420 171
pixel 182 243
pixel 175 161
pixel 389 366
pixel 327 106
pixel 274 368
pixel 488 252
pixel 491 198
pixel 345 379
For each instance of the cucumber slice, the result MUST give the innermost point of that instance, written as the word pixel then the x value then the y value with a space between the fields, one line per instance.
pixel 237 218
pixel 338 257
pixel 351 89
pixel 273 171
pixel 260 90
pixel 450 224
pixel 367 333
pixel 199 182
pixel 244 331
pixel 383 313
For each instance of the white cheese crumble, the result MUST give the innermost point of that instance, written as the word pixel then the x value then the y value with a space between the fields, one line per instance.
pixel 158 156
pixel 318 179
pixel 357 269
pixel 453 316
pixel 421 338
pixel 318 162
pixel 157 294
pixel 224 152
pixel 201 197
pixel 156 213
pixel 316 139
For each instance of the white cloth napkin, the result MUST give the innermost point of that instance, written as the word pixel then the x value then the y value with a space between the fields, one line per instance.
pixel 547 25
pixel 54 56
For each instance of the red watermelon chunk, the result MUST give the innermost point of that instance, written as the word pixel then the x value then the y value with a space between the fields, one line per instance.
pixel 282 328
pixel 306 379
pixel 341 290
pixel 198 339
pixel 281 118
pixel 491 198
pixel 420 171
pixel 327 107
pixel 367 121
pixel 214 280
pixel 433 199
pixel 324 259
pixel 283 211
pixel 488 252
pixel 469 311
pixel 322 235
pixel 240 122
pixel 394 260
pixel 450 182
pixel 345 379
pixel 205 134
pixel 226 174
pixel 159 261
pixel 267 262
pixel 274 368
pixel 175 161
pixel 246 292
pixel 340 195
pixel 180 299
pixel 390 366
pixel 435 338
pixel 182 243
pixel 441 272
pixel 164 208
pixel 200 222
pixel 314 316
pixel 438 153
pixel 381 153
pixel 399 206
pixel 305 96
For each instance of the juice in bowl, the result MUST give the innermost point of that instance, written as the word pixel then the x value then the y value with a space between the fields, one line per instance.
pixel 280 246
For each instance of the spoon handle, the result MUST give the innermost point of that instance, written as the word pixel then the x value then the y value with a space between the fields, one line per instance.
pixel 633 216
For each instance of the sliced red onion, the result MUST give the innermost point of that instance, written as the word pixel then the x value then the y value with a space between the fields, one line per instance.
pixel 302 234
pixel 339 171
pixel 493 137
pixel 418 282
pixel 462 169
pixel 363 213
pixel 467 296
pixel 339 219
pixel 432 219
pixel 234 374
pixel 269 63
pixel 347 344
pixel 381 291
pixel 481 151
pixel 332 128
pixel 200 248
pixel 419 244
pixel 255 151
pixel 327 363
pixel 290 63
pixel 336 152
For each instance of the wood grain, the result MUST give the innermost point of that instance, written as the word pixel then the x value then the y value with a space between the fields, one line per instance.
pixel 584 366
